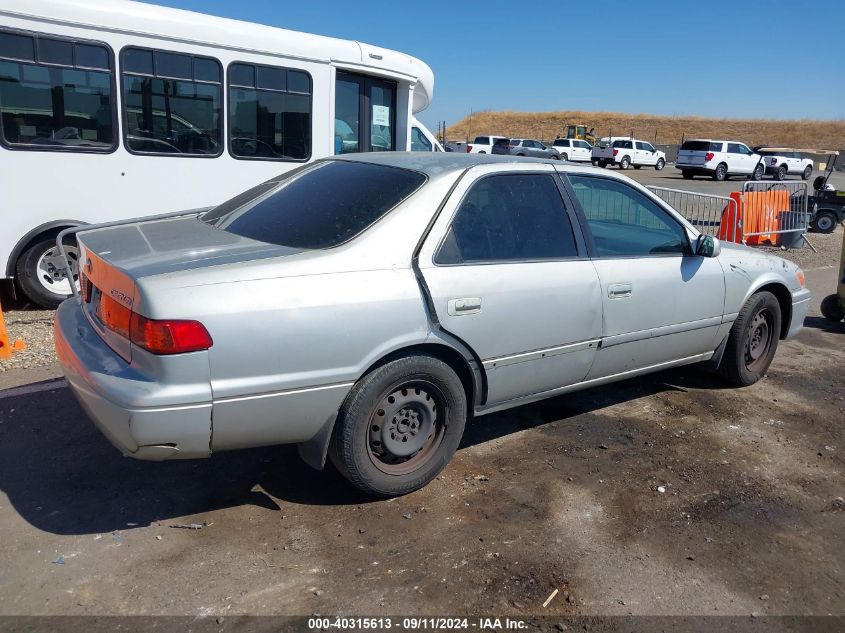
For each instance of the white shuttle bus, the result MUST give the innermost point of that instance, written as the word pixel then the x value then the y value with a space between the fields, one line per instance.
pixel 114 109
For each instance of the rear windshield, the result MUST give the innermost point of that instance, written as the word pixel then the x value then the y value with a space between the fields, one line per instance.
pixel 325 205
pixel 702 146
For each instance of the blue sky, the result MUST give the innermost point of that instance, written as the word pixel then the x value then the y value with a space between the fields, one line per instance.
pixel 769 59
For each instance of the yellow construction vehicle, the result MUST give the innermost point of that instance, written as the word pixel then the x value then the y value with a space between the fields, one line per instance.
pixel 580 132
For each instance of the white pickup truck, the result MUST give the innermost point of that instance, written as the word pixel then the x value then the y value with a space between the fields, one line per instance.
pixel 626 152
pixel 489 145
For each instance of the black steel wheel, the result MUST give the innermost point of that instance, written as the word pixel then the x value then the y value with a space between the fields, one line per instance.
pixel 400 426
pixel 753 340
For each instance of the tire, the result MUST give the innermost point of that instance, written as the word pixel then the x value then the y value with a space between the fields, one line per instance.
pixel 637 166
pixel 808 171
pixel 832 309
pixel 564 156
pixel 482 152
pixel 40 275
pixel 660 164
pixel 687 175
pixel 721 172
pixel 602 164
pixel 555 156
pixel 781 173
pixel 625 162
pixel 753 341
pixel 759 170
pixel 401 399
pixel 825 222
pixel 520 154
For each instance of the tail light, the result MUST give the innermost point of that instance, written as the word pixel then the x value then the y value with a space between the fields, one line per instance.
pixel 156 336
pixel 615 152
pixel 469 148
pixel 708 157
pixel 169 336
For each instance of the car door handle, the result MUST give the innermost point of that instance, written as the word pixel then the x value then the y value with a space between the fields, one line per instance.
pixel 467 305
pixel 619 291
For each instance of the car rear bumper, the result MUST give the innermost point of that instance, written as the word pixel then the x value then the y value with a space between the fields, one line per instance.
pixel 113 393
pixel 696 169
pixel 800 305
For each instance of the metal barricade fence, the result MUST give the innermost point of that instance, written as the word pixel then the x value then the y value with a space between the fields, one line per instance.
pixel 780 210
pixel 703 211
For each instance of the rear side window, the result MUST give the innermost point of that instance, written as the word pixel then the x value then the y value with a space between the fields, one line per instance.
pixel 501 141
pixel 623 144
pixel 509 217
pixel 482 140
pixel 562 143
pixel 56 93
pixel 323 206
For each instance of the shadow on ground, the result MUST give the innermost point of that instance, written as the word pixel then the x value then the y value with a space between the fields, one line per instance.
pixel 62 476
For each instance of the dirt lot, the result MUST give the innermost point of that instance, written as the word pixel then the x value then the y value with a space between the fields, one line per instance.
pixel 667 494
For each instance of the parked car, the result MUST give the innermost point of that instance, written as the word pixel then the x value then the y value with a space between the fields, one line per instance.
pixel 780 161
pixel 489 145
pixel 369 326
pixel 718 159
pixel 533 148
pixel 626 152
pixel 573 149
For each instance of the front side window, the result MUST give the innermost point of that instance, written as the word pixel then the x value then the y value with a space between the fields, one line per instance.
pixel 624 222
pixel 172 103
pixel 733 148
pixel 419 143
pixel 322 206
pixel 269 113
pixel 56 93
pixel 509 217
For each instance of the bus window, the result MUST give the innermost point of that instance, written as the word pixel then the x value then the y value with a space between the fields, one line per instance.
pixel 269 113
pixel 364 103
pixel 171 103
pixel 55 93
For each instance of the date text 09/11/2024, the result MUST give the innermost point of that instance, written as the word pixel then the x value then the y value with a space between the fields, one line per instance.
pixel 415 623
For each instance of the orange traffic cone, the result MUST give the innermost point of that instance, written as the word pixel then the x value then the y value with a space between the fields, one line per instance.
pixel 7 346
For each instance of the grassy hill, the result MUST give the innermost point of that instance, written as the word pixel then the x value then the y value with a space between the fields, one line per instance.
pixel 655 128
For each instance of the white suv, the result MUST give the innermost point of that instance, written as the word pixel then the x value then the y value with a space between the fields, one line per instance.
pixel 719 160
pixel 780 161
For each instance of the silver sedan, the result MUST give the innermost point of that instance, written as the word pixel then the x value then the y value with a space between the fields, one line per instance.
pixel 364 307
pixel 532 148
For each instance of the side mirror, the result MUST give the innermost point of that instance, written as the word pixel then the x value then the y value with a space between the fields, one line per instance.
pixel 707 246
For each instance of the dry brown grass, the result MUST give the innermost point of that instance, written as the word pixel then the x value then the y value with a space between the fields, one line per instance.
pixel 659 129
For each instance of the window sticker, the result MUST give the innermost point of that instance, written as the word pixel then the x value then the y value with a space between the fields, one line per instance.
pixel 381 115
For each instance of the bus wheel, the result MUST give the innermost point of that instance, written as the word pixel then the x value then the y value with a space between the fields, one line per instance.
pixel 41 273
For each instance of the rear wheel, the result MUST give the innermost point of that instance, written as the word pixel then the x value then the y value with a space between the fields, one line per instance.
pixel 721 172
pixel 41 273
pixel 808 171
pixel 753 341
pixel 400 426
pixel 556 157
pixel 688 175
pixel 781 173
pixel 832 309
pixel 602 164
pixel 660 164
pixel 637 166
pixel 564 156
pixel 825 222
pixel 625 162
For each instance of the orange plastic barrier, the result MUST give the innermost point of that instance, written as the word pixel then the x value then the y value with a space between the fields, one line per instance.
pixel 757 212
pixel 7 346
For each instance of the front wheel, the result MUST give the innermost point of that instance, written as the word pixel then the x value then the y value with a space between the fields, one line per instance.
pixel 825 222
pixel 400 426
pixel 808 171
pixel 660 164
pixel 753 341
pixel 41 272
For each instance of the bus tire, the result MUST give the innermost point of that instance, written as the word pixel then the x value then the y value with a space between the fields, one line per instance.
pixel 40 279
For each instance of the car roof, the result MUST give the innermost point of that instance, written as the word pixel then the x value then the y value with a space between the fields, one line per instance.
pixel 437 163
